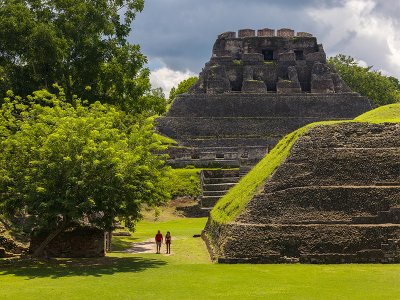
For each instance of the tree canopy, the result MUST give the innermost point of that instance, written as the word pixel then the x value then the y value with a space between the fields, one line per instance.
pixel 370 83
pixel 80 45
pixel 183 87
pixel 62 164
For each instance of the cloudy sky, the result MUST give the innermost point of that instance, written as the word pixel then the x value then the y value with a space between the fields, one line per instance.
pixel 177 35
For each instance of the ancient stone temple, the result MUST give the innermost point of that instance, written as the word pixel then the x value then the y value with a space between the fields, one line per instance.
pixel 255 89
pixel 335 199
pixel 74 242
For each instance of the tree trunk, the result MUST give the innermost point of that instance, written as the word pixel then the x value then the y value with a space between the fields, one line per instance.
pixel 39 251
pixel 109 237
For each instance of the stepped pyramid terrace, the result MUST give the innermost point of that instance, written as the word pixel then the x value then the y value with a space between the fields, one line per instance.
pixel 328 193
pixel 256 88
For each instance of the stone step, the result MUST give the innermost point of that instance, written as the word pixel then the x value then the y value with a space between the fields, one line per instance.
pixel 214 193
pixel 247 105
pixel 218 186
pixel 200 163
pixel 220 173
pixel 209 201
pixel 234 142
pixel 244 170
pixel 221 180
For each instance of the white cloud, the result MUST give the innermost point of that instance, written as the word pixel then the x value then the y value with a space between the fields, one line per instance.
pixel 356 30
pixel 362 63
pixel 167 78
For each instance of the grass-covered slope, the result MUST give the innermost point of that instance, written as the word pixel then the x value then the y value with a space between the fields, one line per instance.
pixel 384 114
pixel 233 203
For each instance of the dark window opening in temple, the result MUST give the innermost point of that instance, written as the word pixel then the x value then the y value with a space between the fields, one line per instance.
pixel 195 156
pixel 236 87
pixel 299 54
pixel 271 87
pixel 268 54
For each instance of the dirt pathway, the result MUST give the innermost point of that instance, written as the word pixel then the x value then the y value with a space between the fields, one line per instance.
pixel 148 246
pixel 142 247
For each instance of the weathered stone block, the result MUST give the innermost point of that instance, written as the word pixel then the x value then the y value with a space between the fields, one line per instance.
pixel 246 33
pixel 121 233
pixel 266 32
pixel 304 34
pixel 316 56
pixel 285 32
pixel 288 87
pixel 252 57
pixel 254 86
pixel 218 86
pixel 322 85
pixel 287 56
pixel 227 35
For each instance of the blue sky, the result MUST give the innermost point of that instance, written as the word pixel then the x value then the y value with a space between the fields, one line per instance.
pixel 177 35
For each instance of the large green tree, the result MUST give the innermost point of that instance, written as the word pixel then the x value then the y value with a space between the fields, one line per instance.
pixel 63 164
pixel 183 87
pixel 370 83
pixel 80 45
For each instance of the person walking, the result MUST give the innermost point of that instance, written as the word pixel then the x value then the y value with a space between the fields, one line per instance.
pixel 168 239
pixel 159 240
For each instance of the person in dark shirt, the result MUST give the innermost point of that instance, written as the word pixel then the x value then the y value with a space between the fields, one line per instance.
pixel 168 239
pixel 159 240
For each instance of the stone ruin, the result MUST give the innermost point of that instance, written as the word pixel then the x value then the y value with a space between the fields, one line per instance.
pixel 254 90
pixel 336 199
pixel 81 241
pixel 282 63
pixel 215 184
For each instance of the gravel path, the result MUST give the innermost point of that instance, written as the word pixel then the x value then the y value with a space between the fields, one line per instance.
pixel 148 246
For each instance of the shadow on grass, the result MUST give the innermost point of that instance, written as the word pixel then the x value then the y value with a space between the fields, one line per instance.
pixel 56 268
pixel 121 243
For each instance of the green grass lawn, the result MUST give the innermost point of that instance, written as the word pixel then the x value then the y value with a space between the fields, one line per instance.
pixel 189 274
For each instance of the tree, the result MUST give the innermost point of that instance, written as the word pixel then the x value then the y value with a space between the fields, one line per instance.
pixel 183 87
pixel 62 164
pixel 80 45
pixel 370 83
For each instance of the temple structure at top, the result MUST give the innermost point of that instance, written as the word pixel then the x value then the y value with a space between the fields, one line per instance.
pixel 268 62
pixel 255 89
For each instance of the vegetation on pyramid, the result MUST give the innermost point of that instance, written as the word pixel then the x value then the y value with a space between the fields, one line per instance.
pixel 330 177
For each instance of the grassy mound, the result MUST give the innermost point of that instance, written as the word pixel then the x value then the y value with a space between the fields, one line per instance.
pixel 384 114
pixel 232 204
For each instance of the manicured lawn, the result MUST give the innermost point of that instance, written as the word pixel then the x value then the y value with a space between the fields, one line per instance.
pixel 189 274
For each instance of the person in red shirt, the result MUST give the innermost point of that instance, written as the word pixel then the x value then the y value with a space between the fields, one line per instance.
pixel 159 240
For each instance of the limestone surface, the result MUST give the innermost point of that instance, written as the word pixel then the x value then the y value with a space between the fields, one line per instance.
pixel 336 199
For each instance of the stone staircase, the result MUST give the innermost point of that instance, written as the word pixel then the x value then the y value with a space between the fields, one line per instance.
pixel 243 170
pixel 215 184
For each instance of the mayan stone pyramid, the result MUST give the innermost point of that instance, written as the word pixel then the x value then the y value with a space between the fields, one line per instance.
pixel 255 89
